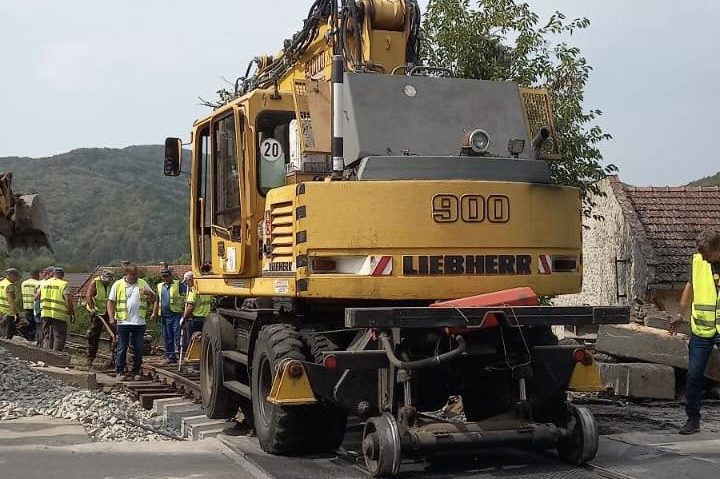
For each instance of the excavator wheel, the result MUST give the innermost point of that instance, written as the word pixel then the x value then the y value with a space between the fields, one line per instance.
pixel 280 430
pixel 218 402
pixel 330 418
pixel 581 445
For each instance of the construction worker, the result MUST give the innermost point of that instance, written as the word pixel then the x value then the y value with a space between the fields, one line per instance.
pixel 28 288
pixel 57 309
pixel 96 304
pixel 169 305
pixel 9 302
pixel 700 297
pixel 127 307
pixel 197 307
pixel 46 275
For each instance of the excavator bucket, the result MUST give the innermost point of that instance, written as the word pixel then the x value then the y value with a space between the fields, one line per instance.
pixel 22 217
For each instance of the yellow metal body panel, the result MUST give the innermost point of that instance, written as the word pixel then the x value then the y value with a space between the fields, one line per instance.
pixel 291 391
pixel 395 218
pixel 586 378
pixel 193 353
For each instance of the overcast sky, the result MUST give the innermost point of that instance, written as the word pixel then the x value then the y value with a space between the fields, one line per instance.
pixel 89 73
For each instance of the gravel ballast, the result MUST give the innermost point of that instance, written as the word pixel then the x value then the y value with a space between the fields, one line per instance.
pixel 109 417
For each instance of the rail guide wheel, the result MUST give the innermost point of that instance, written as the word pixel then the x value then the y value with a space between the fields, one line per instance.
pixel 381 446
pixel 581 444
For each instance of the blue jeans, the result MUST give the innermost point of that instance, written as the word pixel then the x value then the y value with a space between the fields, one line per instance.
pixel 171 334
pixel 126 334
pixel 699 351
pixel 190 326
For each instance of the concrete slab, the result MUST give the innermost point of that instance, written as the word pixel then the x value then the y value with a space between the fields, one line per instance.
pixel 77 378
pixel 175 414
pixel 659 322
pixel 31 353
pixel 41 430
pixel 160 404
pixel 651 345
pixel 639 380
pixel 202 435
pixel 187 422
pixel 168 459
pixel 148 399
pixel 209 425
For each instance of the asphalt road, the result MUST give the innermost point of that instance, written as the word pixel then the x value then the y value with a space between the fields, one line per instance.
pixel 59 449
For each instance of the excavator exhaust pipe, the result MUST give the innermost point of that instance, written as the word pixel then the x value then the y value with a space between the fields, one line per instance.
pixel 26 227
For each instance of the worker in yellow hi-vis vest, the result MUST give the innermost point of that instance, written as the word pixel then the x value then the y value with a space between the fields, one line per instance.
pixel 197 308
pixel 127 307
pixel 169 307
pixel 9 295
pixel 701 298
pixel 30 323
pixel 96 304
pixel 57 309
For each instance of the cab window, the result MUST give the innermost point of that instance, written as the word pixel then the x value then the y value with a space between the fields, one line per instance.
pixel 226 173
pixel 273 148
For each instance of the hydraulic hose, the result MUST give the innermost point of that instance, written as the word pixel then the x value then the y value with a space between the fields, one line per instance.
pixel 420 363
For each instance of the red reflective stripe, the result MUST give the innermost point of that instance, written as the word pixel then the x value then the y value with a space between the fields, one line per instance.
pixel 381 266
pixel 544 264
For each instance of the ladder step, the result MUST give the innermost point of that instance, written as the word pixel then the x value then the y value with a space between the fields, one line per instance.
pixel 238 388
pixel 236 356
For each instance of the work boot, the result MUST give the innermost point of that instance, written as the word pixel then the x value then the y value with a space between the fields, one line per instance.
pixel 692 426
pixel 122 377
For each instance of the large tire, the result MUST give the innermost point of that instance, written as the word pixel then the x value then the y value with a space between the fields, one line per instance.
pixel 283 431
pixel 218 402
pixel 331 419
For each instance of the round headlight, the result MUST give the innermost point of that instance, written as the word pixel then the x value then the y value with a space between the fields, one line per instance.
pixel 479 141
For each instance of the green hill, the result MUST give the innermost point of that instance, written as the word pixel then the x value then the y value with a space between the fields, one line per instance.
pixel 105 205
pixel 713 180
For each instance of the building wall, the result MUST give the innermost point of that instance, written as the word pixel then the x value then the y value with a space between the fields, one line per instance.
pixel 614 237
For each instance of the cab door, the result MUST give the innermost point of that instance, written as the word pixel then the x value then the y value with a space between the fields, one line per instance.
pixel 227 249
pixel 201 200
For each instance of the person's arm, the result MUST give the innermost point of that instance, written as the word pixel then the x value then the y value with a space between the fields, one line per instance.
pixel 152 296
pixel 685 305
pixel 189 308
pixel 12 300
pixel 155 309
pixel 70 306
pixel 112 297
pixel 90 297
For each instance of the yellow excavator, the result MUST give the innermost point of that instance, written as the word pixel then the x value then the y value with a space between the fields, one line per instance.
pixel 22 217
pixel 376 234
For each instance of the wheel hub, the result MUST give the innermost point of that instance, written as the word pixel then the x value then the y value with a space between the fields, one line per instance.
pixel 381 446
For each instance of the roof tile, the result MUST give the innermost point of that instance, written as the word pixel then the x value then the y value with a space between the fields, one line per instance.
pixel 671 218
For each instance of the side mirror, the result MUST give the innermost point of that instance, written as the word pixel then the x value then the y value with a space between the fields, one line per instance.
pixel 173 157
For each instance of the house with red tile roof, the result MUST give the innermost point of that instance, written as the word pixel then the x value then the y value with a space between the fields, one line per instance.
pixel 641 247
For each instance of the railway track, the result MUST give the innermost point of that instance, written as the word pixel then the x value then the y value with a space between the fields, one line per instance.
pixel 158 382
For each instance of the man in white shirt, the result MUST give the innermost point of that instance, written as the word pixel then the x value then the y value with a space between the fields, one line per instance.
pixel 127 307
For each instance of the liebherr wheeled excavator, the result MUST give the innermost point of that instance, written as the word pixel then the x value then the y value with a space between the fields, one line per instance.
pixel 376 235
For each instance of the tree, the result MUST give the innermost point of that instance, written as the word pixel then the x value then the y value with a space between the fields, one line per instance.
pixel 504 40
